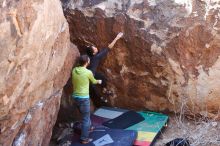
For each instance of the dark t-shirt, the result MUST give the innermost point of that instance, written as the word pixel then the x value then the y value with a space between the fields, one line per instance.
pixel 94 60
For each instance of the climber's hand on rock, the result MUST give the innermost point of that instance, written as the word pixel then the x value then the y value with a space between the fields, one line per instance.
pixel 120 35
pixel 111 45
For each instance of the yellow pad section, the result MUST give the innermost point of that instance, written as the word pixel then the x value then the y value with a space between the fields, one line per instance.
pixel 146 136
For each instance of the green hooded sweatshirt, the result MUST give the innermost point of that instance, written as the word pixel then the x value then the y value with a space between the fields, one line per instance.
pixel 80 79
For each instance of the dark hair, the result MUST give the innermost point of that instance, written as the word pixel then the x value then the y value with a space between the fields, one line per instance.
pixel 89 50
pixel 83 59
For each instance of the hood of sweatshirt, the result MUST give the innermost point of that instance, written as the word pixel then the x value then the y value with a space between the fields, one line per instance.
pixel 79 70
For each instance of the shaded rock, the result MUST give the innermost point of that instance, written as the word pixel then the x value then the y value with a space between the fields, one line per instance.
pixel 35 63
pixel 168 59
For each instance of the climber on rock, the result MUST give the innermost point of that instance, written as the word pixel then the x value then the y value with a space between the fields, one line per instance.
pixel 81 78
pixel 96 56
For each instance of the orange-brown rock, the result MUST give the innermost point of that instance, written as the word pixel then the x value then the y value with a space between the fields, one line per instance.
pixel 168 58
pixel 35 62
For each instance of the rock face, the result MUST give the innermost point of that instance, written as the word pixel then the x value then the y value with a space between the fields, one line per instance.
pixel 35 63
pixel 168 58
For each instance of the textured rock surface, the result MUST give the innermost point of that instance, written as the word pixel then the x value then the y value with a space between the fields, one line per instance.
pixel 168 58
pixel 35 63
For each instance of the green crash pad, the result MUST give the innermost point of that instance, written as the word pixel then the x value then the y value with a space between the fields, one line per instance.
pixel 149 128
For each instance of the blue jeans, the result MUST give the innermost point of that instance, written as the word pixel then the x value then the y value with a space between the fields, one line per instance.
pixel 84 107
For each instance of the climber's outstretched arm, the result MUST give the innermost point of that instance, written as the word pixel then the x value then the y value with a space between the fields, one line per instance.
pixel 111 45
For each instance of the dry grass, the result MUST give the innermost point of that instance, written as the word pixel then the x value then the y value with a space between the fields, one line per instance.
pixel 199 133
pixel 199 130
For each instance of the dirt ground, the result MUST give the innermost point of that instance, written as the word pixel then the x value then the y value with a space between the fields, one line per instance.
pixel 199 133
